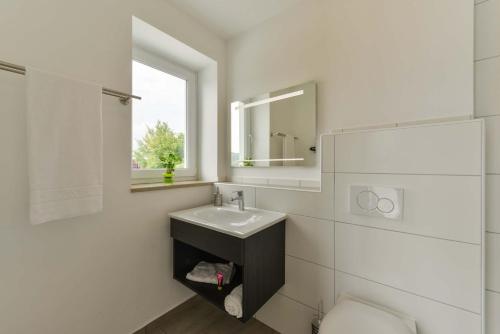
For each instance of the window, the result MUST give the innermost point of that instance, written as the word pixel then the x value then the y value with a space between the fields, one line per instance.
pixel 164 121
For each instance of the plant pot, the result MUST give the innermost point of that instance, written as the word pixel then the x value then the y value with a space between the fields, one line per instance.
pixel 168 177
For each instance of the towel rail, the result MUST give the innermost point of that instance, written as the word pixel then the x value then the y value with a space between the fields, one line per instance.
pixel 124 97
pixel 281 134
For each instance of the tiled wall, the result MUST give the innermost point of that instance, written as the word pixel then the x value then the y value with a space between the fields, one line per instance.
pixel 278 182
pixel 309 247
pixel 309 250
pixel 429 265
pixel 487 106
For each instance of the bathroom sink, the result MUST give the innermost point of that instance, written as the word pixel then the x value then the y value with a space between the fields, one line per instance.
pixel 253 240
pixel 229 220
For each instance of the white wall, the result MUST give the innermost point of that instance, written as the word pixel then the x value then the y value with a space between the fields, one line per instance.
pixel 432 258
pixel 429 265
pixel 375 62
pixel 210 154
pixel 309 248
pixel 109 272
pixel 487 106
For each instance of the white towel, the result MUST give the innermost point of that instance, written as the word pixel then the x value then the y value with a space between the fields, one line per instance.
pixel 64 147
pixel 233 302
pixel 205 272
pixel 288 150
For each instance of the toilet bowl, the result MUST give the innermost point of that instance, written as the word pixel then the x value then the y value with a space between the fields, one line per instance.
pixel 354 316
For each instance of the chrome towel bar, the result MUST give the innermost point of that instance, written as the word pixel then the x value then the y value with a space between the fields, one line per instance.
pixel 124 97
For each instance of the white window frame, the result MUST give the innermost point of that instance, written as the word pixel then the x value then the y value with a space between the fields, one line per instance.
pixel 190 171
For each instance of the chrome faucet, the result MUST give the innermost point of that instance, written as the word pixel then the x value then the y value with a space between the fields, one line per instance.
pixel 240 198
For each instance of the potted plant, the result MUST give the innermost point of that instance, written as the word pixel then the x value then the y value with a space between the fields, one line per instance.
pixel 248 162
pixel 169 163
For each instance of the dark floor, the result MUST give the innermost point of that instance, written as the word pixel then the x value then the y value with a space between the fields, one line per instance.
pixel 196 316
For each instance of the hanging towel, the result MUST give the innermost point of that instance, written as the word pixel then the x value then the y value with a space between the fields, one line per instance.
pixel 288 150
pixel 205 272
pixel 64 124
pixel 233 302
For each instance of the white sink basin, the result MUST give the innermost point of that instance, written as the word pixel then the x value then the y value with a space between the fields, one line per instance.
pixel 229 220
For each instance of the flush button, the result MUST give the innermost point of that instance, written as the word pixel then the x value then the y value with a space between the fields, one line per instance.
pixel 385 205
pixel 367 200
pixel 376 201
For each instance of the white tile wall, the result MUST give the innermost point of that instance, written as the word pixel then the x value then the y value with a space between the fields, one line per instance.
pixel 487 103
pixel 309 263
pixel 430 149
pixel 327 153
pixel 487 98
pixel 487 30
pixel 309 245
pixel 309 242
pixel 311 184
pixel 309 283
pixel 493 203
pixel 310 239
pixel 277 182
pixel 429 263
pixel 255 180
pixel 492 309
pixel 493 261
pixel 286 316
pixel 412 266
pixel 432 317
pixel 305 203
pixel 228 189
pixel 430 204
pixel 451 271
pixel 492 144
pixel 442 270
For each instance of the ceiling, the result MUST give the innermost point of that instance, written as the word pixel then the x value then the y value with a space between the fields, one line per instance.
pixel 228 18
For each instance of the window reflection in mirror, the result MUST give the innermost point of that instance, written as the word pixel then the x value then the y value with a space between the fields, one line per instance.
pixel 275 129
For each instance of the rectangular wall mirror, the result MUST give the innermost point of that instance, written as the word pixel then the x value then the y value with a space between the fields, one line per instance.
pixel 275 129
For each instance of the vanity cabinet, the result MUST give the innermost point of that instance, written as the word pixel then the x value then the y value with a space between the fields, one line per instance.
pixel 259 261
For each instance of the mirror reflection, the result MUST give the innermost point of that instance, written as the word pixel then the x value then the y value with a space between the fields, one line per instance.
pixel 275 129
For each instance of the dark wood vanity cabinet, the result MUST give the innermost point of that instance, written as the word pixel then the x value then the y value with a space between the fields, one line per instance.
pixel 259 262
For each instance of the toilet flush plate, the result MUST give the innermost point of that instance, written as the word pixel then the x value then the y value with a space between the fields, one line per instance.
pixel 376 201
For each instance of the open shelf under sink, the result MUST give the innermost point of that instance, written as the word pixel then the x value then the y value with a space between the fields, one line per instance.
pixel 259 262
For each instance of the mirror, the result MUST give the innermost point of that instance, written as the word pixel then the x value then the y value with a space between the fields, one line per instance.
pixel 275 129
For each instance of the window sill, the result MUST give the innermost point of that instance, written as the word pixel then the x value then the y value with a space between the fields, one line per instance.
pixel 135 188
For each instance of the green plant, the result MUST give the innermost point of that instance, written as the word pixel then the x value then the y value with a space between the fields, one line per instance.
pixel 170 161
pixel 154 150
pixel 247 162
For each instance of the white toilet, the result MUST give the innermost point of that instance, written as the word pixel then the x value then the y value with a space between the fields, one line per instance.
pixel 354 316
